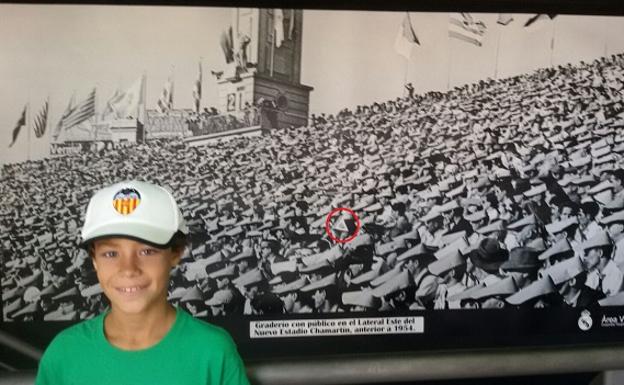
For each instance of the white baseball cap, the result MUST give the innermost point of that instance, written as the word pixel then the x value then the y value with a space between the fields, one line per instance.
pixel 136 210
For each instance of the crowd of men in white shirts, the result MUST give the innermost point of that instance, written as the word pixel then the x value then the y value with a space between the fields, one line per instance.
pixel 501 194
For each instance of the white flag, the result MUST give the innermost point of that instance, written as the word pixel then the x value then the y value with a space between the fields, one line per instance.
pixel 165 102
pixel 278 26
pixel 463 27
pixel 126 105
pixel 406 38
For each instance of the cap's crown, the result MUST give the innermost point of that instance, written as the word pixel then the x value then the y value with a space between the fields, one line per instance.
pixel 133 209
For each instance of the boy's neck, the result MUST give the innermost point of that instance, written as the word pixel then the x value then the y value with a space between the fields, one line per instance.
pixel 138 331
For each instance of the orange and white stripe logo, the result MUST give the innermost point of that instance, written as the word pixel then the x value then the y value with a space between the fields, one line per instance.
pixel 126 201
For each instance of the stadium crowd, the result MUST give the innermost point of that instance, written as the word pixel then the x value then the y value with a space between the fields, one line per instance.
pixel 503 193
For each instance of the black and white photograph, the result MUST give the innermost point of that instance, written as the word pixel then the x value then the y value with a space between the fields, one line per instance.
pixel 337 179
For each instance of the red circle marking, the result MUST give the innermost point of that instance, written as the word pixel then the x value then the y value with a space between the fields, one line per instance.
pixel 357 225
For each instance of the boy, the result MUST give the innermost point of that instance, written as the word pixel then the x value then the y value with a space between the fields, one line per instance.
pixel 135 235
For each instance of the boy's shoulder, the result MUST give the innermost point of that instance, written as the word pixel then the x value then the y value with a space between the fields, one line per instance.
pixel 87 329
pixel 204 330
pixel 76 338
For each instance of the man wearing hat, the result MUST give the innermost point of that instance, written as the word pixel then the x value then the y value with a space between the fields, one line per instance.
pixel 615 228
pixel 294 300
pixel 361 301
pixel 569 277
pixel 324 294
pixel 588 225
pixel 400 223
pixel 352 264
pixel 135 234
pixel 617 180
pixel 426 284
pixel 539 294
pixel 268 303
pixel 432 230
pixel 485 260
pixel 245 261
pixel 602 273
pixel 522 265
pixel 221 302
pixel 396 293
pixel 493 296
pixel 564 229
pixel 478 219
pixel 537 204
pixel 458 222
pixel 268 251
pixel 451 270
pixel 251 284
pixel 192 301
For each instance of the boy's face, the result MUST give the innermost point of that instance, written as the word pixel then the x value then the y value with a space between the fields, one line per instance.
pixel 134 276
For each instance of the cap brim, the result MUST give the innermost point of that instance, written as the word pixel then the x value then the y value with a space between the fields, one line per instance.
pixel 140 232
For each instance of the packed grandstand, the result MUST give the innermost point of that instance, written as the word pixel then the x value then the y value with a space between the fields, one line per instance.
pixel 503 193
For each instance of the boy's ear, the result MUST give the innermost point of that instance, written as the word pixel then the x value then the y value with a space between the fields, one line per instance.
pixel 177 256
pixel 92 255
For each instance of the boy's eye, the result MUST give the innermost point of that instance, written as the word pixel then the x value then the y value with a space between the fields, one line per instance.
pixel 148 251
pixel 109 254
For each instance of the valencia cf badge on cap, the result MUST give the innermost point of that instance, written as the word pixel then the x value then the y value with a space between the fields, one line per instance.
pixel 126 201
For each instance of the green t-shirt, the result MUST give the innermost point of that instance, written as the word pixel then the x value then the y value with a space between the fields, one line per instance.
pixel 192 352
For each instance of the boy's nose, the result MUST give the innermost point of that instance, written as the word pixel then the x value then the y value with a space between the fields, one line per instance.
pixel 129 264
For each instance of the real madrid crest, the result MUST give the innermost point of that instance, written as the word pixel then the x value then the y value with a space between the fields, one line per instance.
pixel 126 201
pixel 585 320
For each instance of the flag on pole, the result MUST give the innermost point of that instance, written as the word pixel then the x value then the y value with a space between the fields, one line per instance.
pixel 126 104
pixel 41 121
pixel 83 111
pixel 406 38
pixel 165 102
pixel 504 18
pixel 540 16
pixel 141 113
pixel 463 27
pixel 68 111
pixel 109 113
pixel 227 45
pixel 20 123
pixel 291 25
pixel 278 27
pixel 197 90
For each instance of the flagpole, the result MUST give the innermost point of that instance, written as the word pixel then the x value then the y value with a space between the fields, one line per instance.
pixel 500 34
pixel 273 47
pixel 606 39
pixel 172 88
pixel 201 84
pixel 405 75
pixel 27 125
pixel 95 105
pixel 143 107
pixel 552 42
pixel 95 127
pixel 448 66
pixel 46 129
